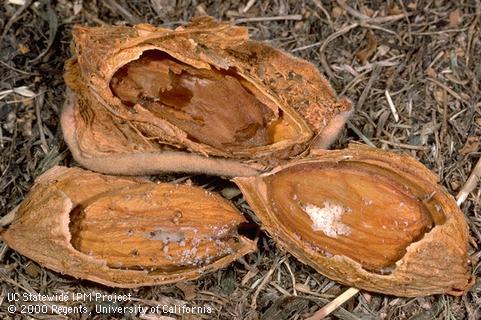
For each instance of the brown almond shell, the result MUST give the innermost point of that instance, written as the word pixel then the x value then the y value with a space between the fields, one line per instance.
pixel 366 218
pixel 112 126
pixel 125 232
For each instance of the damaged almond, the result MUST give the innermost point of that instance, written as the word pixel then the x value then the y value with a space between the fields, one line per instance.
pixel 125 232
pixel 200 98
pixel 366 218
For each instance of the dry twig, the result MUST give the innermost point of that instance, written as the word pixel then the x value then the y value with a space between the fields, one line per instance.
pixel 334 304
pixel 277 18
pixel 470 184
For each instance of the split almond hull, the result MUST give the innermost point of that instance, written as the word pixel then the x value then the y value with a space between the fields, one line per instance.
pixel 366 218
pixel 190 115
pixel 125 232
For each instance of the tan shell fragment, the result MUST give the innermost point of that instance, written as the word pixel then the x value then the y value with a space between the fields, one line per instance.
pixel 201 98
pixel 366 218
pixel 125 232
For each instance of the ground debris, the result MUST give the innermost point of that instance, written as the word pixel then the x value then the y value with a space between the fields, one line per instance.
pixel 427 58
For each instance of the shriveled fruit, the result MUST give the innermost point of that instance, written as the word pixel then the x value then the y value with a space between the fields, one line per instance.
pixel 125 232
pixel 366 218
pixel 201 98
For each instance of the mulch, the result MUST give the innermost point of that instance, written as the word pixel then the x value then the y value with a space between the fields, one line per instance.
pixel 412 69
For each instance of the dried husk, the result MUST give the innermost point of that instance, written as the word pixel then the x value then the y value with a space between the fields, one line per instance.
pixel 200 98
pixel 125 232
pixel 366 218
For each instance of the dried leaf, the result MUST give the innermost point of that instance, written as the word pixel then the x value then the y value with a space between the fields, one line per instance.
pixel 454 18
pixel 472 145
pixel 430 72
pixel 23 48
pixel 337 11
pixel 366 53
pixel 188 289
pixel 394 10
pixel 365 10
pixel 25 92
pixel 412 5
pixel 440 95
pixel 125 232
pixel 77 6
pixel 32 270
pixel 366 218
pixel 201 98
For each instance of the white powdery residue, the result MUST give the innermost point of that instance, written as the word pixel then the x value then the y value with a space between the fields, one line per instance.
pixel 367 202
pixel 327 219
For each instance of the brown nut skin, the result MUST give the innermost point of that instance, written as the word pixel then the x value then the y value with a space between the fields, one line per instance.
pixel 125 232
pixel 108 135
pixel 400 233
